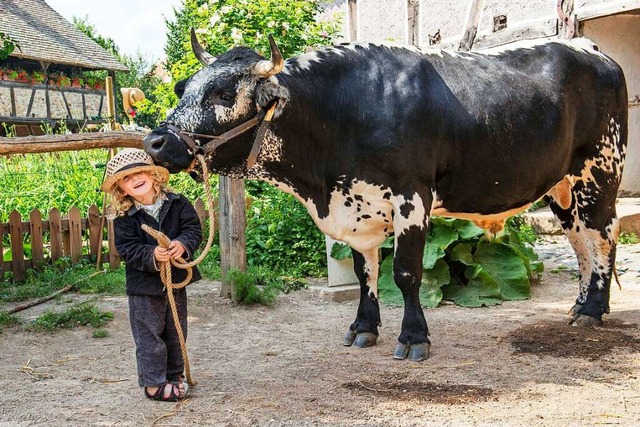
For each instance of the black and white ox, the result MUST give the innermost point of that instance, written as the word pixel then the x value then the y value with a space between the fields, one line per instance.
pixel 373 139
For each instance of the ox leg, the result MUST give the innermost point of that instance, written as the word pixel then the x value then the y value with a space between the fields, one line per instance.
pixel 592 228
pixel 407 270
pixel 363 332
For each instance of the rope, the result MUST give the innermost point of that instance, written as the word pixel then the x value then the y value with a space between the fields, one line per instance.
pixel 165 268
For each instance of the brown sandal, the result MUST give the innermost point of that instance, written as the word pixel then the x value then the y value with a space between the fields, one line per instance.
pixel 159 395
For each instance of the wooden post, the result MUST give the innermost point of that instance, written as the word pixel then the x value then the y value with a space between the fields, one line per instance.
pixel 352 16
pixel 111 102
pixel 413 14
pixel 471 27
pixel 233 240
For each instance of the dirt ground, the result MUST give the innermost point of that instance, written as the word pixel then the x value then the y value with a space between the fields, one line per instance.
pixel 517 364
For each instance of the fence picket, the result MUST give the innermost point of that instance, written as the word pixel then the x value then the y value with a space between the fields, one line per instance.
pixel 75 235
pixel 17 251
pixel 55 231
pixel 114 258
pixel 1 254
pixel 37 246
pixel 95 233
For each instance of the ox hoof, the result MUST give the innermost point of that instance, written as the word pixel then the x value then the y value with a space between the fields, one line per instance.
pixel 349 338
pixel 365 339
pixel 415 352
pixel 584 321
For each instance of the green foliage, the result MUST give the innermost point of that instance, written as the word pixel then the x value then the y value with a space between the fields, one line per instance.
pixel 281 235
pixel 460 264
pixel 45 181
pixel 222 24
pixel 248 289
pixel 82 314
pixel 7 45
pixel 628 239
pixel 7 320
pixel 100 333
pixel 141 76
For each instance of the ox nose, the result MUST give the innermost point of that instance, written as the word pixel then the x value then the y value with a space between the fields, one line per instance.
pixel 153 143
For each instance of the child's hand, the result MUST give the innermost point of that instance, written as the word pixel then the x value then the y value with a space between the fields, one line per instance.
pixel 176 249
pixel 161 254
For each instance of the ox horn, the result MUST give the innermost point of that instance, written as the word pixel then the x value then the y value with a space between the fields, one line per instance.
pixel 203 56
pixel 271 67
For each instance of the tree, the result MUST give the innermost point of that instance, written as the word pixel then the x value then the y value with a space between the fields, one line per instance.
pixel 222 24
pixel 140 75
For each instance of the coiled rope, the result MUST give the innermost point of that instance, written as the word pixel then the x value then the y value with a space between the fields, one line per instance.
pixel 165 267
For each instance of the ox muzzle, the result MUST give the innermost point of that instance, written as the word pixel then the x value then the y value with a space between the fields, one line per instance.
pixel 155 142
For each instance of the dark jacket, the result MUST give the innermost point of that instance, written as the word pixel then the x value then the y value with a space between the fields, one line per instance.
pixel 178 220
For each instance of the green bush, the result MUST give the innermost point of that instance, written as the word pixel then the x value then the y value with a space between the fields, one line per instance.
pixel 248 289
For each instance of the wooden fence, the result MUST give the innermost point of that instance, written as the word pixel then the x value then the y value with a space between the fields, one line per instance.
pixel 73 236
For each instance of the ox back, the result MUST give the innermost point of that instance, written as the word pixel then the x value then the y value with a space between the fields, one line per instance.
pixel 374 139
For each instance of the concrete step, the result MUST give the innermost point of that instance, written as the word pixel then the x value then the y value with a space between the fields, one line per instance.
pixel 628 209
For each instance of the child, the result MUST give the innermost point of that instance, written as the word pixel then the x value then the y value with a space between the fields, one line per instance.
pixel 140 196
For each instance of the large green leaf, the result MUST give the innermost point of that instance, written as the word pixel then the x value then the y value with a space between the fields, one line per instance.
pixel 432 282
pixel 483 290
pixel 439 238
pixel 467 229
pixel 505 266
pixel 387 290
pixel 340 251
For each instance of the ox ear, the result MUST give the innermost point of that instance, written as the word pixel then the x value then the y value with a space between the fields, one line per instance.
pixel 178 88
pixel 267 68
pixel 203 56
pixel 268 92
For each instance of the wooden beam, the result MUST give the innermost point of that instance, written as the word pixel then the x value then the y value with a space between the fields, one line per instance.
pixel 352 16
pixel 471 27
pixel 71 142
pixel 233 240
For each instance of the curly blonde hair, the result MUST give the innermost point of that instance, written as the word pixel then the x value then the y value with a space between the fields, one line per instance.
pixel 121 202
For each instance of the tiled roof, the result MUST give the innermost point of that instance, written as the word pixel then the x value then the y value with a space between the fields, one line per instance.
pixel 44 35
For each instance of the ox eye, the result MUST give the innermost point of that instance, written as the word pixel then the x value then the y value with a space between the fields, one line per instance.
pixel 226 97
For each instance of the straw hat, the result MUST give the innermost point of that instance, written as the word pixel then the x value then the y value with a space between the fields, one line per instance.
pixel 127 162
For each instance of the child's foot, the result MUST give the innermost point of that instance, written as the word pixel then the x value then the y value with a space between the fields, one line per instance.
pixel 180 381
pixel 166 392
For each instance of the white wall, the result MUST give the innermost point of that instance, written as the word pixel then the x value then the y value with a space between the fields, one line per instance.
pixel 618 37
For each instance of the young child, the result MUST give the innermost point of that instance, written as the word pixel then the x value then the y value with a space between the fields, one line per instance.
pixel 140 196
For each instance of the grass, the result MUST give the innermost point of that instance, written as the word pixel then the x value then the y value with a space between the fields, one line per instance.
pixel 51 279
pixel 259 286
pixel 45 282
pixel 7 320
pixel 85 314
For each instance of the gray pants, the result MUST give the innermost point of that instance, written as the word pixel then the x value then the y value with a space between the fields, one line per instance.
pixel 157 345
